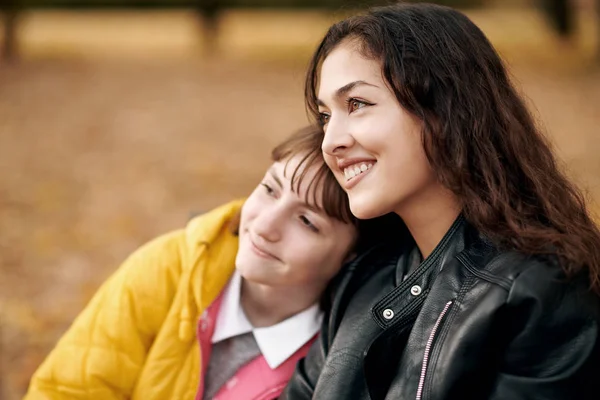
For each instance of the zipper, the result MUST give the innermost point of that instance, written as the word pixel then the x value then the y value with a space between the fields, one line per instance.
pixel 428 347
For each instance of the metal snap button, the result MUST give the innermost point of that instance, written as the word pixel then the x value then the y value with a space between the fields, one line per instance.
pixel 388 314
pixel 416 290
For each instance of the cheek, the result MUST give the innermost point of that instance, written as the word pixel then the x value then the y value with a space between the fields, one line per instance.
pixel 248 212
pixel 332 164
pixel 402 140
pixel 319 259
pixel 408 166
pixel 414 154
pixel 329 160
pixel 304 255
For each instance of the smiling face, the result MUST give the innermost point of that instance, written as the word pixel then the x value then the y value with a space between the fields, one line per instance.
pixel 371 143
pixel 287 241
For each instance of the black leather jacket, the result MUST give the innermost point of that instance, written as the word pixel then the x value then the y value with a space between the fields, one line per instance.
pixel 469 322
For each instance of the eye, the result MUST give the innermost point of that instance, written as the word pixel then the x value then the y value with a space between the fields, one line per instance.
pixel 324 118
pixel 306 222
pixel 268 189
pixel 356 104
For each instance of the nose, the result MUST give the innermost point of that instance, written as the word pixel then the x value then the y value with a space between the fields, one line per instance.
pixel 268 224
pixel 337 137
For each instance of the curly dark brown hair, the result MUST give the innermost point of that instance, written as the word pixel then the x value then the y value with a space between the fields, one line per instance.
pixel 478 134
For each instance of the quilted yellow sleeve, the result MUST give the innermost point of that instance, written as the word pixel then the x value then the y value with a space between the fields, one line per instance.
pixel 102 353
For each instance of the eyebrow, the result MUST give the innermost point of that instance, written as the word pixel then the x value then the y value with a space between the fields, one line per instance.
pixel 275 177
pixel 312 207
pixel 343 91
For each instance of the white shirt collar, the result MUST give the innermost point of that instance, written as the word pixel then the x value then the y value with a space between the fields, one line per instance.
pixel 276 343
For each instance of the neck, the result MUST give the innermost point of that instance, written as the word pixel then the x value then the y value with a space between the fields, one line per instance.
pixel 429 217
pixel 267 305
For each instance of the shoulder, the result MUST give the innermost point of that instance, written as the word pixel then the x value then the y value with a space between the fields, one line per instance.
pixel 535 282
pixel 211 226
pixel 168 255
pixel 540 286
pixel 547 322
pixel 531 279
pixel 155 260
pixel 550 321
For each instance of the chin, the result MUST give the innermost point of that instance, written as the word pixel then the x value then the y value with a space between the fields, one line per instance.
pixel 243 265
pixel 253 270
pixel 366 209
pixel 248 272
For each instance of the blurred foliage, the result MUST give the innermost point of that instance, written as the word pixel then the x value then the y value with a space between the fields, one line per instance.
pixel 100 156
pixel 332 4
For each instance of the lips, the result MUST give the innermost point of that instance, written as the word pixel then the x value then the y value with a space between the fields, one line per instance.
pixel 357 169
pixel 261 252
pixel 354 169
pixel 355 166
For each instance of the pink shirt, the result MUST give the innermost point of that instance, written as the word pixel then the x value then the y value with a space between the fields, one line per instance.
pixel 254 381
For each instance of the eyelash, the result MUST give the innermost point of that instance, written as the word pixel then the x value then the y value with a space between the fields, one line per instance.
pixel 308 224
pixel 268 189
pixel 305 221
pixel 324 117
pixel 351 100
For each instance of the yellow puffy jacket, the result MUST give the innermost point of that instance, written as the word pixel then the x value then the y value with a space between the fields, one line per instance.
pixel 137 337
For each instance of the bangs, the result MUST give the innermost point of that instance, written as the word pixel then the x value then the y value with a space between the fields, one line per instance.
pixel 307 144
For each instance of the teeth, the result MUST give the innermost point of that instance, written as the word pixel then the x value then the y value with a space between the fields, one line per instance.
pixel 351 172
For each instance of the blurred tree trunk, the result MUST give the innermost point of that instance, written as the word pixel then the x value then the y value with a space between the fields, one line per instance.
pixel 208 12
pixel 562 16
pixel 9 11
pixel 598 31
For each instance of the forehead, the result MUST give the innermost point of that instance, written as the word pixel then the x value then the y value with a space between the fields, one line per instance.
pixel 296 177
pixel 345 64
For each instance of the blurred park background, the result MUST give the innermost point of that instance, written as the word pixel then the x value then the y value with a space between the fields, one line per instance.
pixel 119 120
